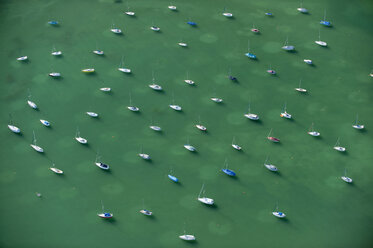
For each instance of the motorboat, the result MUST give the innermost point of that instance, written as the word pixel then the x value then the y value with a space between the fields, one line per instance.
pixel 14 129
pixel 155 86
pixel 55 74
pixel 55 170
pixel 89 70
pixel 45 122
pixel 98 52
pixel 308 61
pixel 32 104
pixel 156 128
pixel 146 212
pixel 175 107
pixel 22 58
pixel 200 127
pixel 92 114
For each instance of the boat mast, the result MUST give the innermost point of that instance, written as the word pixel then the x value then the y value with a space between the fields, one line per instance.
pixel 199 195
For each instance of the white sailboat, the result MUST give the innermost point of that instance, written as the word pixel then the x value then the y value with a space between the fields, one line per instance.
pixel 155 86
pixel 144 211
pixel 172 7
pixel 173 105
pixel 115 30
pixel 132 107
pixel 128 12
pixel 187 237
pixel 203 199
pixel 13 128
pixel 199 126
pixel 251 116
pixel 299 89
pixel 301 9
pixel 56 170
pixel 55 52
pixel 80 139
pixel 45 122
pixel 104 214
pixel 320 42
pixel 88 70
pixel 346 178
pixel 22 58
pixel 34 146
pixel 356 125
pixel 92 114
pixel 188 81
pixel 105 89
pixel 144 155
pixel 189 147
pixel 99 164
pixel 182 44
pixel 55 74
pixel 308 61
pixel 312 132
pixel 216 99
pixel 277 213
pixel 338 147
pixel 269 166
pixel 234 145
pixel 287 47
pixel 122 68
pixel 285 114
pixel 227 14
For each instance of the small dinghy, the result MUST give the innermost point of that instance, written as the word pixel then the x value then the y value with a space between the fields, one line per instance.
pixel 89 70
pixel 338 147
pixel 45 123
pixel 53 22
pixel 269 166
pixel 182 44
pixel 104 214
pixel 23 58
pixel 32 104
pixel 203 199
pixel 92 114
pixel 116 30
pixel 155 28
pixel 146 212
pixel 271 138
pixel 156 128
pixel 175 107
pixel 235 146
pixel 308 61
pixel 55 74
pixel 172 7
pixel 216 99
pixel 251 116
pixel 98 52
pixel 34 146
pixel 14 129
pixel 356 125
pixel 80 139
pixel 155 87
pixel 55 170
pixel 312 132
pixel 285 114
pixel 105 89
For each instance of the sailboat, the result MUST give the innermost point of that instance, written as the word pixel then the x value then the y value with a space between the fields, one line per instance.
pixel 199 126
pixel 338 147
pixel 308 61
pixel 269 166
pixel 13 128
pixel 285 114
pixel 105 89
pixel 97 51
pixel 144 211
pixel 128 12
pixel 235 146
pixel 92 114
pixel 115 30
pixel 172 178
pixel 301 9
pixel 299 89
pixel 34 146
pixel 189 147
pixel 287 47
pixel 53 23
pixel 56 52
pixel 155 128
pixel 104 214
pixel 192 23
pixel 88 70
pixel 80 139
pixel 187 237
pixel 371 74
pixel 122 68
pixel 155 86
pixel 277 213
pixel 55 74
pixel 56 170
pixel 31 103
pixel 216 99
pixel 255 30
pixel 312 132
pixel 230 76
pixel 172 7
pixel 173 105
pixel 227 14
pixel 320 42
pixel 45 122
pixel 228 171
pixel 154 28
pixel 131 107
pixel 144 155
pixel 100 164
pixel 182 44
pixel 324 21
pixel 270 71
pixel 249 54
pixel 271 138
pixel 188 81
pixel 251 116
pixel 346 178
pixel 356 125
pixel 205 200
pixel 22 58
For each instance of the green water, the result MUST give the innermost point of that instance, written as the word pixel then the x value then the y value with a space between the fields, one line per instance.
pixel 322 210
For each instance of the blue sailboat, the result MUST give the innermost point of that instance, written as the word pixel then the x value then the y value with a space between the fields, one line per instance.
pixel 325 22
pixel 228 171
pixel 173 178
pixel 192 23
pixel 53 22
pixel 248 54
